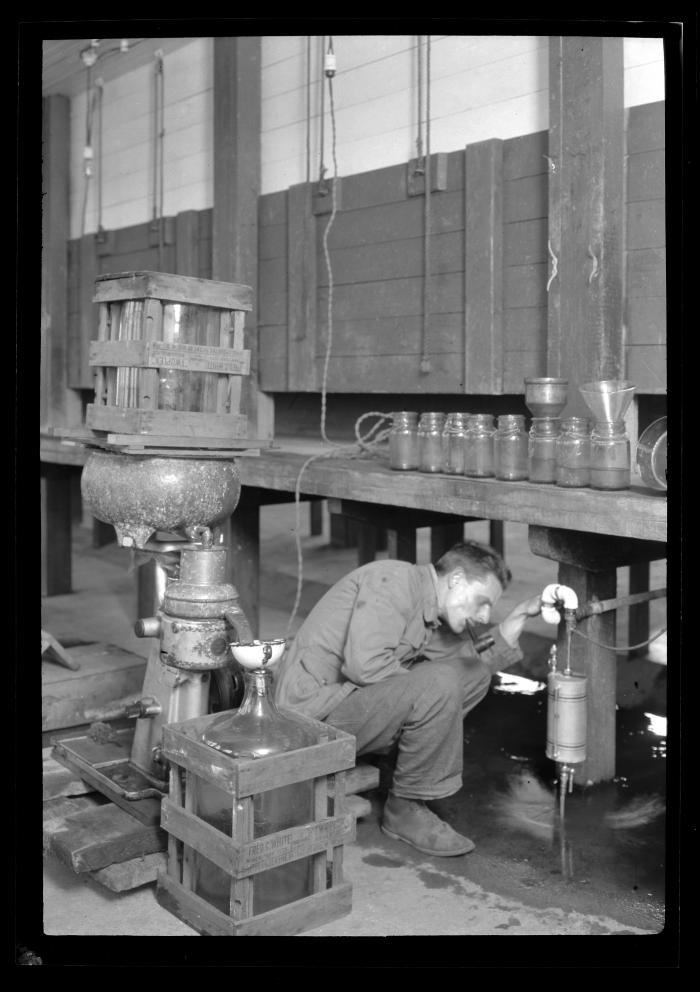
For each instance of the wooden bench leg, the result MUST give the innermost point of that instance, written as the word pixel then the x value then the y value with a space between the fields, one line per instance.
pixel 401 543
pixel 316 517
pixel 56 529
pixel 497 536
pixel 367 543
pixel 442 539
pixel 639 614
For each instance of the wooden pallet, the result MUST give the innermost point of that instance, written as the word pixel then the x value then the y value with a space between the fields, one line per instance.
pixel 113 851
pixel 173 446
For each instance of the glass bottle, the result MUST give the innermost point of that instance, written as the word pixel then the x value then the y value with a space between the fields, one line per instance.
pixel 403 441
pixel 510 446
pixel 453 443
pixel 573 453
pixel 478 446
pixel 256 730
pixel 430 429
pixel 542 457
pixel 610 455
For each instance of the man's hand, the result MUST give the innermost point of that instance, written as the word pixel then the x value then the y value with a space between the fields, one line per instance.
pixel 512 627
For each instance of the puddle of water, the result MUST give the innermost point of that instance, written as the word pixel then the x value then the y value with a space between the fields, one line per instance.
pixel 612 838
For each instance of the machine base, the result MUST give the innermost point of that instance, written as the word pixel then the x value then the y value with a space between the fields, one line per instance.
pixel 103 762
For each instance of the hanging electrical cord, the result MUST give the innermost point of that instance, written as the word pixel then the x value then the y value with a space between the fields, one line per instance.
pixel 419 138
pixel 425 365
pixel 158 168
pixel 100 156
pixel 88 153
pixel 627 647
pixel 308 109
pixel 322 137
pixel 368 443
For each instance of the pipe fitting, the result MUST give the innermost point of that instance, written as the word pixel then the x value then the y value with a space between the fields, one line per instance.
pixel 148 627
pixel 554 594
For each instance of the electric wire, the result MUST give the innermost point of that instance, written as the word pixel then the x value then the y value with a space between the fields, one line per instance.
pixel 366 444
pixel 100 157
pixel 308 109
pixel 322 139
pixel 627 647
pixel 425 366
pixel 419 138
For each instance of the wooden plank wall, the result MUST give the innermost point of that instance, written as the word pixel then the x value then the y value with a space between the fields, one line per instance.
pixel 376 248
pixel 186 251
pixel 376 251
pixel 646 249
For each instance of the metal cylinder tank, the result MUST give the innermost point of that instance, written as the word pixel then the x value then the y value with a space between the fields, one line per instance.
pixel 566 717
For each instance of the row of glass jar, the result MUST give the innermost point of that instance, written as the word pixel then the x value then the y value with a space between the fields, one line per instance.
pixel 563 453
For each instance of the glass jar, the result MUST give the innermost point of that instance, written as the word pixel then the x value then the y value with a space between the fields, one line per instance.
pixel 257 729
pixel 610 455
pixel 478 446
pixel 403 441
pixel 453 443
pixel 430 429
pixel 510 448
pixel 542 458
pixel 573 453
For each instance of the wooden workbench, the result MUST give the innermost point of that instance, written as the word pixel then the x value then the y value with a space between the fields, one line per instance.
pixel 590 534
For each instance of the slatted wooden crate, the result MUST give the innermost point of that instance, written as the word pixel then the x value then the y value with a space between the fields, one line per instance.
pixel 169 356
pixel 242 856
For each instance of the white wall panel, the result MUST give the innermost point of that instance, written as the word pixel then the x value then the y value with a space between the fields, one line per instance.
pixel 128 142
pixel 481 87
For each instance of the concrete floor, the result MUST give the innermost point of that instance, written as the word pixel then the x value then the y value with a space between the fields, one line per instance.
pixel 396 890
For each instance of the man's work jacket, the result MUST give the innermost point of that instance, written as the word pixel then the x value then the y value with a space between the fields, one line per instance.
pixel 375 622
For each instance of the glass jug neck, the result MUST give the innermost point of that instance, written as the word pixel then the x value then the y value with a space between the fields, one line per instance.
pixel 508 422
pixel 258 695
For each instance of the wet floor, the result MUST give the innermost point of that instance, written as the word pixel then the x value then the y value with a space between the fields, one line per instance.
pixel 610 846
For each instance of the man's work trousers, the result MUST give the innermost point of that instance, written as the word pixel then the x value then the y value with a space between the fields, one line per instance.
pixel 423 711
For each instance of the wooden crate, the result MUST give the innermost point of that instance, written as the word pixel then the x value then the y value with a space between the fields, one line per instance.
pixel 169 356
pixel 242 856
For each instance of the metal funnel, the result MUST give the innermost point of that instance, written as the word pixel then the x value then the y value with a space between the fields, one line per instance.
pixel 608 399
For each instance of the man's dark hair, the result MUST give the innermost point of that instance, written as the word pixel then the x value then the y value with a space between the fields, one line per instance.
pixel 474 559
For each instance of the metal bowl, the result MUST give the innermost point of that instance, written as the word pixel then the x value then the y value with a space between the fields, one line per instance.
pixel 545 397
pixel 256 654
pixel 140 495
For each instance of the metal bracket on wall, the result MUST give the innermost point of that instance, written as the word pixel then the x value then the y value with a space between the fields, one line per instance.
pixel 168 232
pixel 322 196
pixel 104 242
pixel 415 174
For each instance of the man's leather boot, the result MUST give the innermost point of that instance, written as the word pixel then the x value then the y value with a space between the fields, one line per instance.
pixel 411 821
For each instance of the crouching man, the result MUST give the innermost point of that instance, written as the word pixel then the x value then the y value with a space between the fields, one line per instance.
pixel 389 655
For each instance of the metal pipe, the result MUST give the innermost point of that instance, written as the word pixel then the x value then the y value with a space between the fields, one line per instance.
pixel 605 605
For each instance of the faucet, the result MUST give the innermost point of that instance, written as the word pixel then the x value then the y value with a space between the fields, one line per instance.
pixel 236 618
pixel 554 594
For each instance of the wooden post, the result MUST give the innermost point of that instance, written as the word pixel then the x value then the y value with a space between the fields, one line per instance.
pixel 301 289
pixel 497 536
pixel 237 96
pixel 401 543
pixel 483 260
pixel 588 564
pixel 638 630
pixel 316 517
pixel 442 539
pixel 242 536
pixel 56 529
pixel 586 203
pixel 59 405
